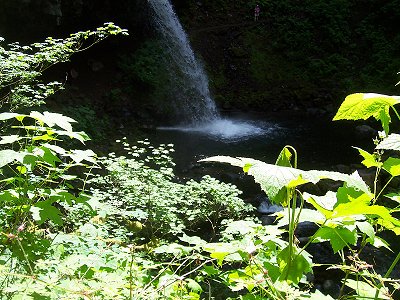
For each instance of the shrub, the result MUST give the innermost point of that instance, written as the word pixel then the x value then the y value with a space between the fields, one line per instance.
pixel 141 187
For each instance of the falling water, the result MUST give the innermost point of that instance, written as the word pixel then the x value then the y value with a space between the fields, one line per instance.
pixel 192 91
pixel 190 84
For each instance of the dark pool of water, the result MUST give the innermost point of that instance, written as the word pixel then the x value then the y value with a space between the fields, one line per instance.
pixel 320 142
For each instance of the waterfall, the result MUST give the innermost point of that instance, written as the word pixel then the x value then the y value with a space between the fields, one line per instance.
pixel 189 85
pixel 195 105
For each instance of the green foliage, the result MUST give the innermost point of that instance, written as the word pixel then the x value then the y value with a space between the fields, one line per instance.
pixel 346 216
pixel 363 106
pixel 22 66
pixel 310 51
pixel 89 121
pixel 275 179
pixel 142 190
pixel 146 64
pixel 128 238
pixel 112 247
pixel 145 73
pixel 35 169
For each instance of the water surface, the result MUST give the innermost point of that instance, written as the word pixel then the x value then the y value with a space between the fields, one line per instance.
pixel 320 142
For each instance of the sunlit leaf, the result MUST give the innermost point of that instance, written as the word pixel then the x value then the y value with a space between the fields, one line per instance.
pixel 327 201
pixel 360 208
pixel 55 148
pixel 52 119
pixel 220 256
pixel 173 248
pixel 80 136
pixel 362 106
pixel 8 156
pixel 369 159
pixel 292 270
pixel 317 295
pixel 192 240
pixel 36 213
pixel 47 155
pixel 62 121
pixel 391 142
pixel 9 139
pixel 323 204
pixel 394 197
pixel 7 115
pixel 284 158
pixel 379 242
pixel 338 237
pixel 367 291
pixel 44 137
pixel 21 169
pixel 273 179
pixel 392 165
pixel 82 155
pixel 307 215
pixel 239 280
pixel 193 285
pixel 368 229
pixel 220 251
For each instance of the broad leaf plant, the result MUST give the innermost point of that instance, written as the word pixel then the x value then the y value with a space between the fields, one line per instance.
pixel 351 216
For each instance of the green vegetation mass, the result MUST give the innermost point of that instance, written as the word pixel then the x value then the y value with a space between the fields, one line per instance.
pixel 124 226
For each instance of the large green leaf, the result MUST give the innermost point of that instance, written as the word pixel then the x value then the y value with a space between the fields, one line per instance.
pixel 307 215
pixel 317 295
pixel 362 106
pixel 293 265
pixel 274 179
pixel 368 229
pixel 44 210
pixel 347 194
pixel 360 208
pixel 221 251
pixel 46 155
pixel 338 237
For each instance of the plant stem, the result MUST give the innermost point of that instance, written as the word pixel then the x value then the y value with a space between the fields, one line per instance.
pixel 387 183
pixel 291 199
pixel 389 271
pixel 311 239
pixel 130 277
pixel 376 184
pixel 292 226
pixel 25 256
pixel 395 111
pixel 343 285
